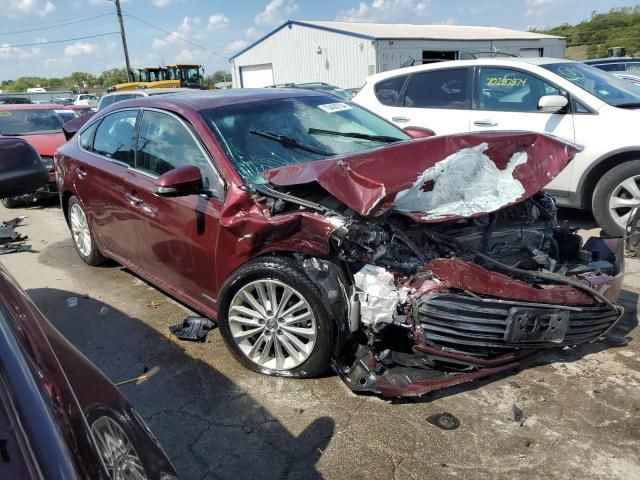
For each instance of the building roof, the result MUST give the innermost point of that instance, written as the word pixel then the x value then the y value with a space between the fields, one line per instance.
pixel 427 32
pixel 379 31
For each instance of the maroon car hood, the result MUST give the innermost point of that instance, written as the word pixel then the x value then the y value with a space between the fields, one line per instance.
pixel 437 178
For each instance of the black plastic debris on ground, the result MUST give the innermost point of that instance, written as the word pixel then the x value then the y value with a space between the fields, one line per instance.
pixel 12 241
pixel 194 329
pixel 518 415
pixel 444 421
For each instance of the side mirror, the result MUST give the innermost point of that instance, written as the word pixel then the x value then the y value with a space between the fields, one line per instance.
pixel 418 132
pixel 181 181
pixel 72 126
pixel 21 169
pixel 552 103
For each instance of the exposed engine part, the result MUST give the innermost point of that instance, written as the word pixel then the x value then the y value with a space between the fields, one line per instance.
pixel 378 295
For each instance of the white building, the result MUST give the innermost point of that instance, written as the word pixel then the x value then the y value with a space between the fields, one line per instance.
pixel 344 54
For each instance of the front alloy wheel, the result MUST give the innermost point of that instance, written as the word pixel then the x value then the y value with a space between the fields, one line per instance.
pixel 272 324
pixel 615 195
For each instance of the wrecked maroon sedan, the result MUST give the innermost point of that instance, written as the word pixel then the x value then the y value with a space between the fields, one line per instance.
pixel 318 234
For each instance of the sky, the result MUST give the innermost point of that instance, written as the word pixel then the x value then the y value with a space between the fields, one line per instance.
pixel 209 31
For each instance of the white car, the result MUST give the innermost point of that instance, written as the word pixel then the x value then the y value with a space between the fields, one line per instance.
pixel 567 99
pixel 86 99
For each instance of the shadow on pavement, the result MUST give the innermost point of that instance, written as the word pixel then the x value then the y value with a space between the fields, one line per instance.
pixel 209 427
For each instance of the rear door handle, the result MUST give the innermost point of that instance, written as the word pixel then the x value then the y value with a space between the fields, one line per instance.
pixel 80 172
pixel 485 123
pixel 133 199
pixel 400 119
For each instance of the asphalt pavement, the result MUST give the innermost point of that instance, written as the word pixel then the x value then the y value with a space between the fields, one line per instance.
pixel 215 419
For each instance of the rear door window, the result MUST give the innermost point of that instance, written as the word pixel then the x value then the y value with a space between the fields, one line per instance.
pixel 506 90
pixel 388 91
pixel 114 136
pixel 446 88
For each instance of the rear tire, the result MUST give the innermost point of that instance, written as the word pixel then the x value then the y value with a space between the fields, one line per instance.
pixel 617 192
pixel 12 202
pixel 299 349
pixel 83 239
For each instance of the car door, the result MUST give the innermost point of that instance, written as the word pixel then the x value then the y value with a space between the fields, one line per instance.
pixel 436 99
pixel 507 99
pixel 106 154
pixel 177 234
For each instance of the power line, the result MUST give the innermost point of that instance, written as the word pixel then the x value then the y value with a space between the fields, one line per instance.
pixel 176 36
pixel 56 25
pixel 57 41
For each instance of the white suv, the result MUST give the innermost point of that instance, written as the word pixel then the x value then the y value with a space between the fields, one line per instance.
pixel 559 97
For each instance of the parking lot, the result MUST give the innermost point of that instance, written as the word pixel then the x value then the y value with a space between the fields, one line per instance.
pixel 215 419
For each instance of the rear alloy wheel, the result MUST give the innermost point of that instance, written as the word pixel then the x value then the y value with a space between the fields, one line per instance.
pixel 275 320
pixel 81 234
pixel 117 451
pixel 617 192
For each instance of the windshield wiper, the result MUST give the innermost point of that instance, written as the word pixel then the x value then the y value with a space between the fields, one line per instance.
pixel 289 142
pixel 363 136
pixel 629 105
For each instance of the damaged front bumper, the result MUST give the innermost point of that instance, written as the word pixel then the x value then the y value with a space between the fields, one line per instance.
pixel 461 331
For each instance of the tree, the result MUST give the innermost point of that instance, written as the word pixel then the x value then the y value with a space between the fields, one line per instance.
pixel 218 76
pixel 112 77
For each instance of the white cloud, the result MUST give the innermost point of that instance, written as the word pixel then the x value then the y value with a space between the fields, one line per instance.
pixel 15 53
pixel 57 62
pixel 385 11
pixel 162 3
pixel 276 11
pixel 537 8
pixel 218 21
pixel 189 29
pixel 186 56
pixel 14 8
pixel 78 49
pixel 236 46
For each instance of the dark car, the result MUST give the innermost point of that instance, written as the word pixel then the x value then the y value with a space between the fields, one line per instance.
pixel 41 126
pixel 318 87
pixel 318 234
pixel 60 417
pixel 616 64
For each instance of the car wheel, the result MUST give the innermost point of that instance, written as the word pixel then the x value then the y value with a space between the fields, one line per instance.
pixel 275 320
pixel 617 192
pixel 81 233
pixel 12 202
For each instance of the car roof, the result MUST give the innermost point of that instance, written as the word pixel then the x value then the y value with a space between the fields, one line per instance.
pixel 143 92
pixel 197 100
pixel 33 106
pixel 497 61
pixel 612 60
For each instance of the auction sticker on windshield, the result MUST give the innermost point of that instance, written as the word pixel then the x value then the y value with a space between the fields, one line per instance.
pixel 5 114
pixel 334 107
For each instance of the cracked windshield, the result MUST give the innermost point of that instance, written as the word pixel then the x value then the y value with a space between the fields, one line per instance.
pixel 259 136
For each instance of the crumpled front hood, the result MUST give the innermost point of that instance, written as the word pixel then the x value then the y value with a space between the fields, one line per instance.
pixel 437 178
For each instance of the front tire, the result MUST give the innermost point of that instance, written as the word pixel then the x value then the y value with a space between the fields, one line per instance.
pixel 617 192
pixel 81 234
pixel 275 320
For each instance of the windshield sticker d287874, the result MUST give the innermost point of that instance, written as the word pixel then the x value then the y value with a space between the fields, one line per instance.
pixel 5 114
pixel 334 107
pixel 506 82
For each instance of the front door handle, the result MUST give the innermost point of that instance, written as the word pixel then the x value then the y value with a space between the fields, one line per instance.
pixel 80 172
pixel 133 199
pixel 400 119
pixel 485 123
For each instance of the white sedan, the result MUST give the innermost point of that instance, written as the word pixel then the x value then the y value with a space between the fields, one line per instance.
pixel 567 99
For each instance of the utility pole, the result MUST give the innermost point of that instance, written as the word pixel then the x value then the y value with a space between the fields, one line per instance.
pixel 124 39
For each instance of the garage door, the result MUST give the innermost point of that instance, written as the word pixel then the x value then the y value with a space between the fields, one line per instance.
pixel 256 76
